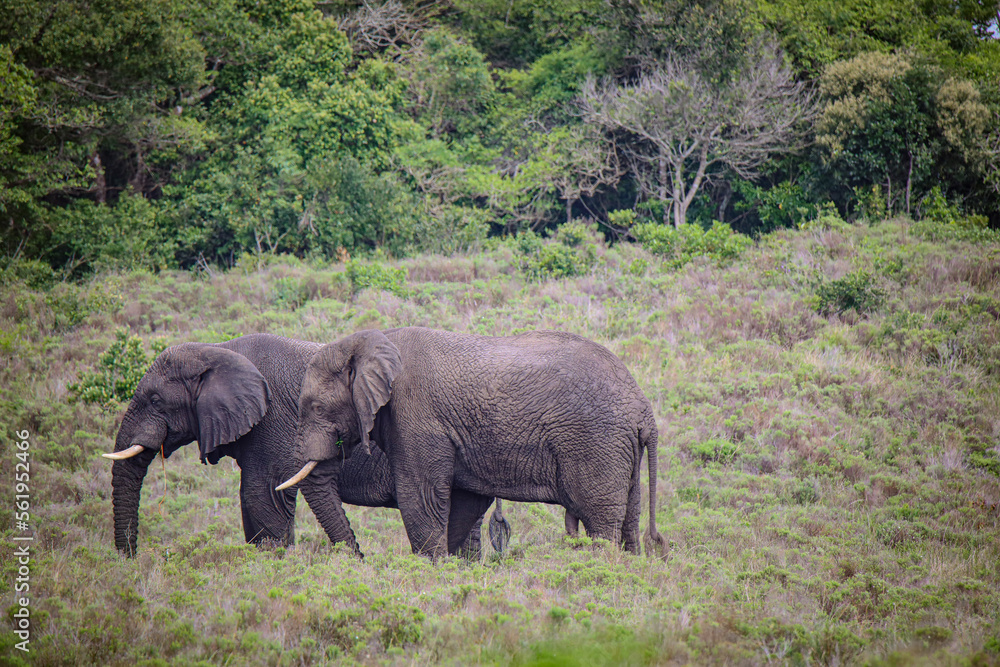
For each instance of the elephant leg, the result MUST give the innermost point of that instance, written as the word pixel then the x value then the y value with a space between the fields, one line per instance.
pixel 630 527
pixel 465 521
pixel 597 496
pixel 268 515
pixel 605 528
pixel 423 475
pixel 572 524
pixel 425 507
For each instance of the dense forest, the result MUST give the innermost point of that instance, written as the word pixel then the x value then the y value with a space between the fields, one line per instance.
pixel 171 133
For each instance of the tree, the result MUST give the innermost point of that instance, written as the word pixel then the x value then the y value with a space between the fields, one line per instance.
pixel 677 124
pixel 296 135
pixel 816 33
pixel 891 122
pixel 103 89
pixel 580 161
pixel 450 84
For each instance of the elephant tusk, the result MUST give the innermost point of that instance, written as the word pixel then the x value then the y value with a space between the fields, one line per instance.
pixel 124 454
pixel 299 476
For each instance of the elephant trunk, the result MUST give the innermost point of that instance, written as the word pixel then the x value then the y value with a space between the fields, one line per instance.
pixel 320 490
pixel 126 482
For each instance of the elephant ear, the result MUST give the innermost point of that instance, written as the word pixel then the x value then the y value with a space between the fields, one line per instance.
pixel 232 397
pixel 376 363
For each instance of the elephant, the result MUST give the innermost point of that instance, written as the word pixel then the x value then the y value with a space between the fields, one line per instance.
pixel 240 399
pixel 542 416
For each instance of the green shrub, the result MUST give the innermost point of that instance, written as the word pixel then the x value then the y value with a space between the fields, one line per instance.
pixel 553 261
pixel 857 290
pixel 715 449
pixel 871 203
pixel 32 273
pixel 933 634
pixel 574 234
pixel 827 217
pixel 805 492
pixel 783 205
pixel 118 373
pixel 450 229
pixel 375 275
pixel 622 218
pixel 289 293
pixel 398 623
pixel 941 220
pixel 681 245
pixel 572 252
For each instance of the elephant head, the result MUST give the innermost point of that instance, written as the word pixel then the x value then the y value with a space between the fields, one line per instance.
pixel 191 392
pixel 345 385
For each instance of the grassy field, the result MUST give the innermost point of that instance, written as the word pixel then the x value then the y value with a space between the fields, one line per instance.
pixel 828 403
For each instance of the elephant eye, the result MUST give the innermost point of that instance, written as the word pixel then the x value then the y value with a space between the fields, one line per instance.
pixel 155 400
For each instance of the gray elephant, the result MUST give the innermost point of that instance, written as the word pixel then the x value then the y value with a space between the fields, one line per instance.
pixel 240 399
pixel 539 417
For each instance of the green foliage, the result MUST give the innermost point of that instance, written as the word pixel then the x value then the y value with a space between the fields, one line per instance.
pixel 858 290
pixel 680 245
pixel 827 217
pixel 572 252
pixel 933 634
pixel 378 276
pixel 451 84
pixel 286 110
pixel 32 273
pixel 554 261
pixel 717 450
pixel 134 234
pixel 523 31
pixel 871 203
pixel 166 133
pixel 804 493
pixel 783 205
pixel 896 123
pixel 623 218
pixel 941 219
pixel 552 82
pixel 818 32
pixel 119 370
pixel 451 229
pixel 100 111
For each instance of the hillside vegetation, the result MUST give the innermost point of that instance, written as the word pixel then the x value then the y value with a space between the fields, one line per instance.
pixel 828 401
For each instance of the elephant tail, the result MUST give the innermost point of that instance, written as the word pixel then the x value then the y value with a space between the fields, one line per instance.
pixel 648 439
pixel 499 529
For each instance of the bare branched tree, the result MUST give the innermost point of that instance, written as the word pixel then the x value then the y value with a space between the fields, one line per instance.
pixel 387 27
pixel 677 124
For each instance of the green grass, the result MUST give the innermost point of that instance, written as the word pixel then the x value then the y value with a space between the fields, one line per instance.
pixel 829 474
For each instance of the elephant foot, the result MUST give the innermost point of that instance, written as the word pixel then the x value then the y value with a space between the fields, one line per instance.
pixel 572 525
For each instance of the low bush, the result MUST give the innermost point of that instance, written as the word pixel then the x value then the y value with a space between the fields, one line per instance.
pixel 119 370
pixel 858 290
pixel 680 245
pixel 375 275
pixel 571 252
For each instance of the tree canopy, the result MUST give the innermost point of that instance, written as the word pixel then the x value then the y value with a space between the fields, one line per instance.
pixel 170 132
